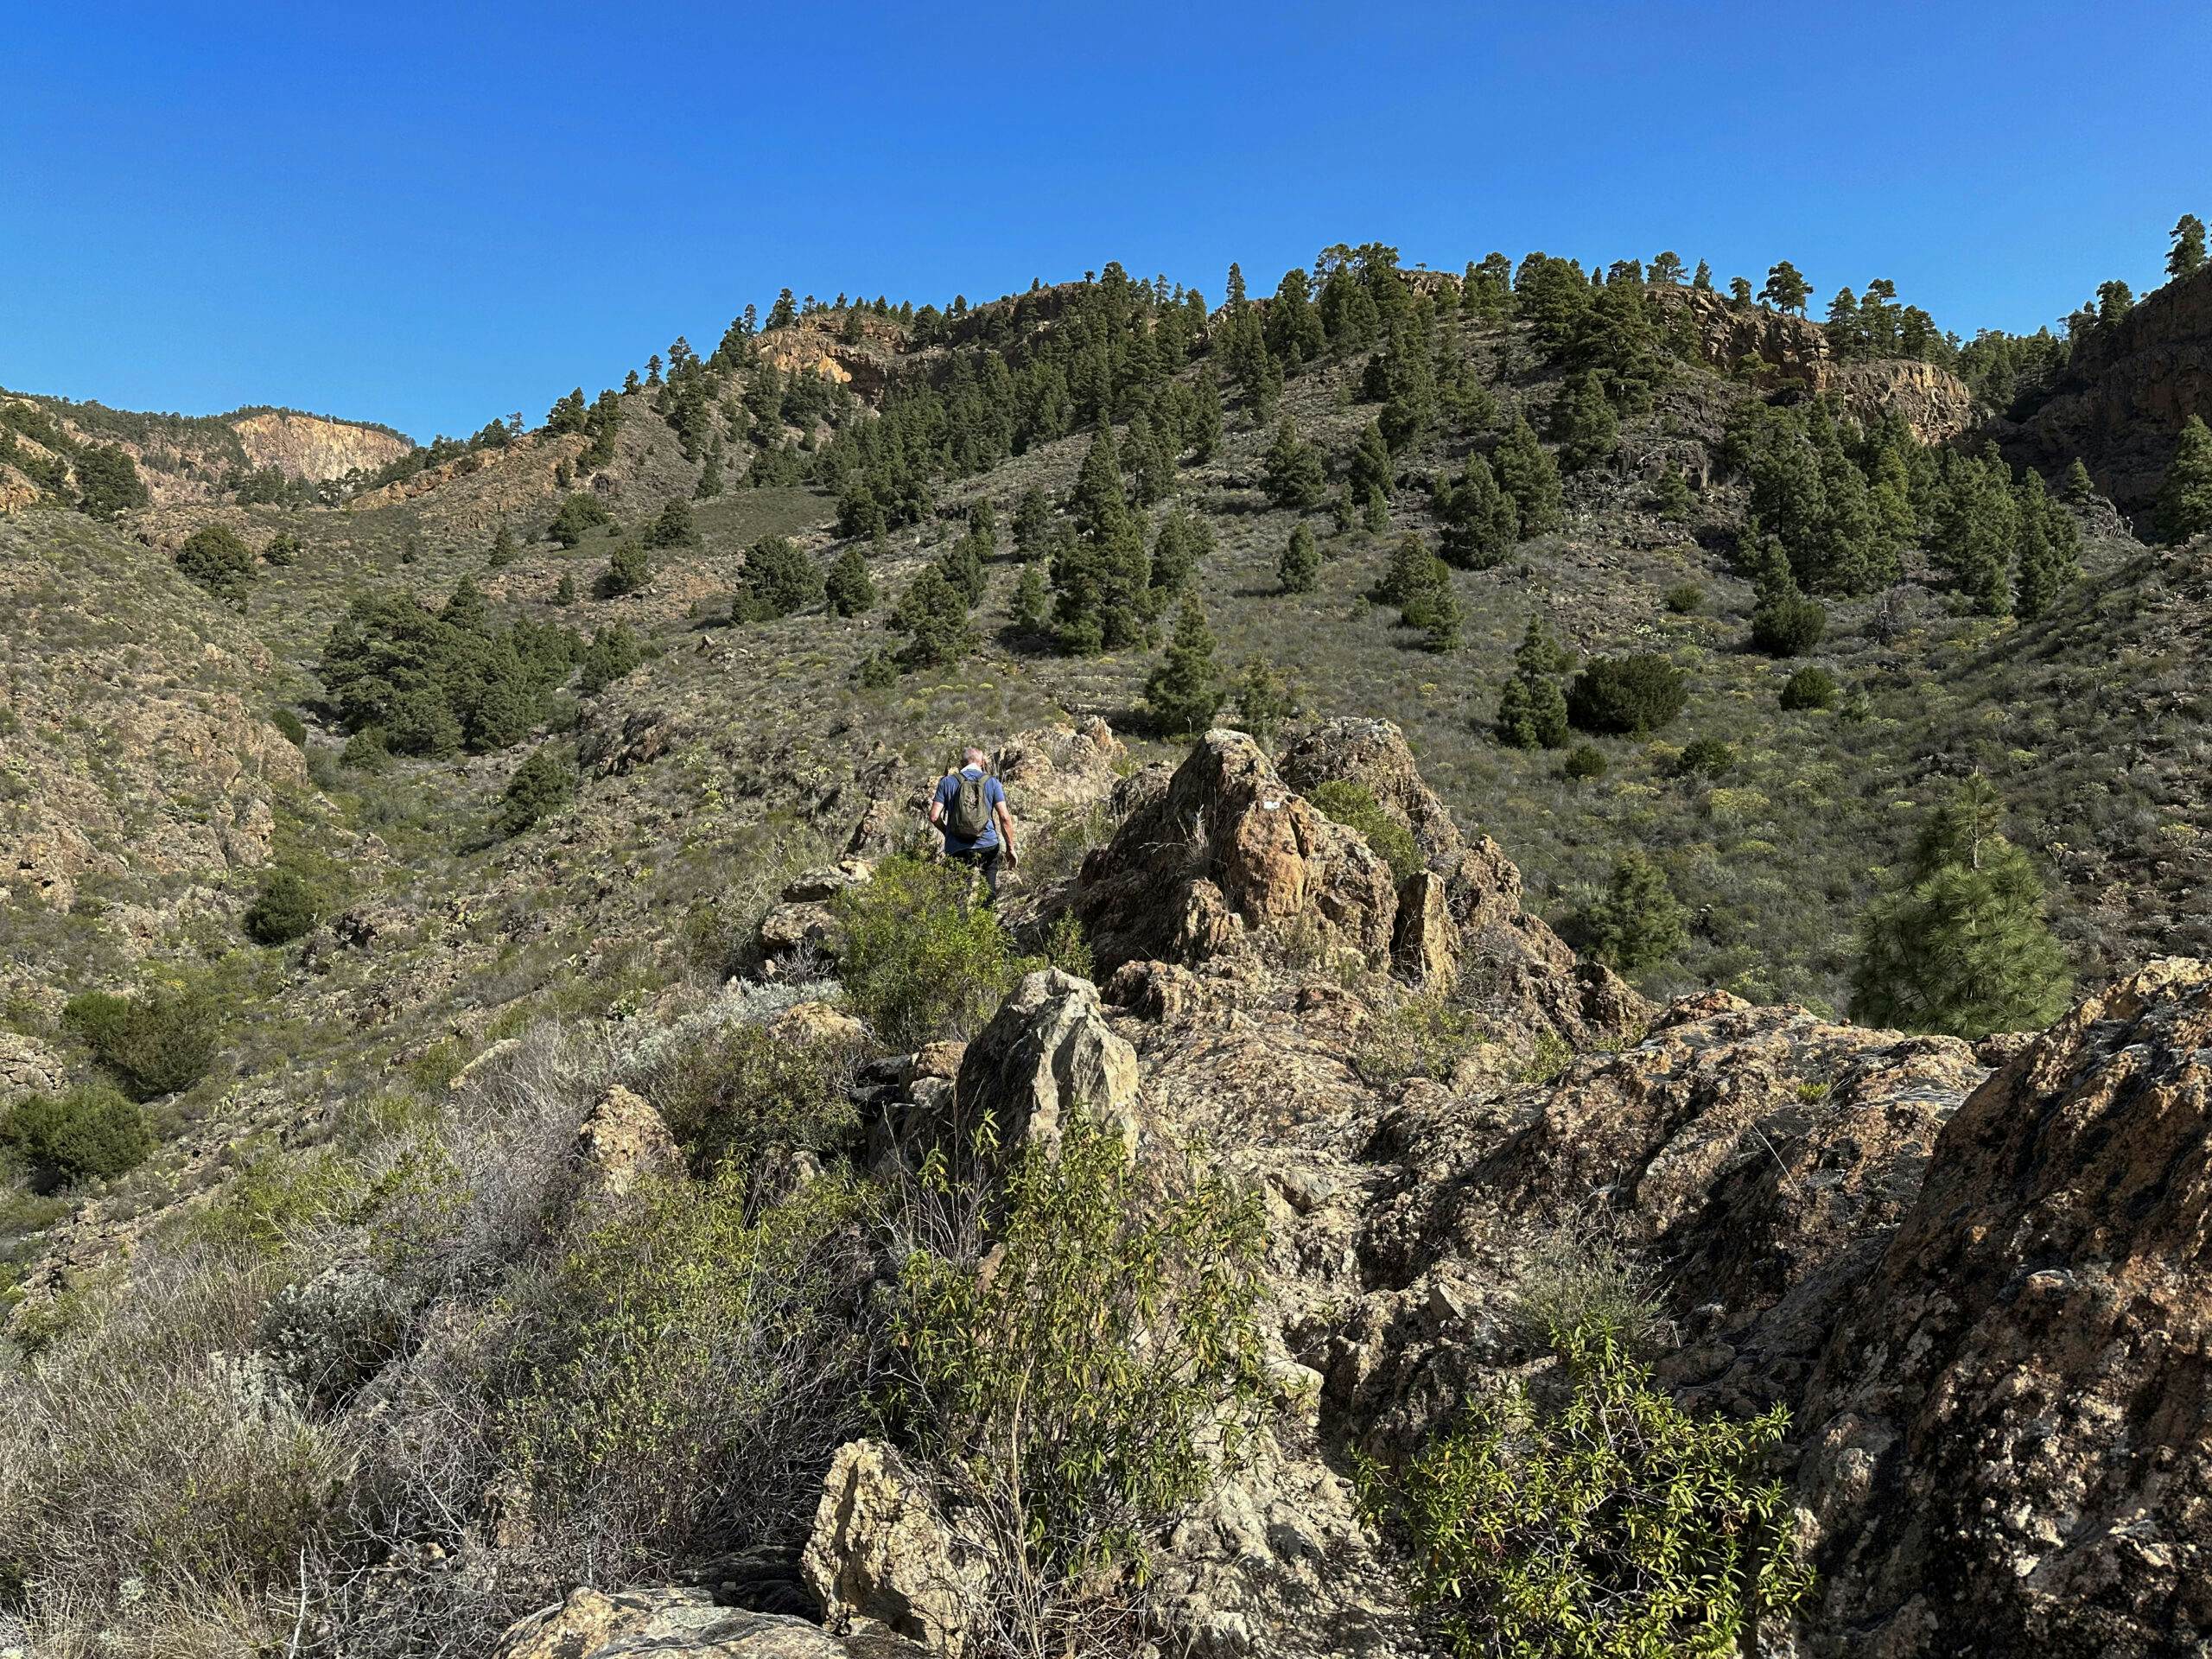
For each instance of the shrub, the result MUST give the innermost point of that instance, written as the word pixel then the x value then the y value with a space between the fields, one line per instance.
pixel 1704 757
pixel 1684 598
pixel 432 680
pixel 629 570
pixel 919 959
pixel 1576 1279
pixel 1354 806
pixel 733 1094
pixel 878 671
pixel 214 556
pixel 614 652
pixel 681 1379
pixel 293 729
pixel 155 1043
pixel 281 549
pixel 1421 1037
pixel 1300 563
pixel 91 1132
pixel 1263 698
pixel 287 907
pixel 1606 1523
pixel 849 588
pixel 1811 688
pixel 1099 1380
pixel 580 513
pixel 1629 696
pixel 543 784
pixel 777 580
pixel 1638 921
pixel 1790 626
pixel 1584 761
pixel 673 527
pixel 364 751
pixel 933 615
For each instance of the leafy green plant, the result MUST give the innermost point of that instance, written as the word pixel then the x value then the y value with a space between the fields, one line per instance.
pixel 288 906
pixel 1811 688
pixel 543 784
pixel 1599 1521
pixel 921 960
pixel 1582 762
pixel 1421 1036
pixel 1629 695
pixel 91 1132
pixel 1637 922
pixel 155 1043
pixel 1354 806
pixel 733 1094
pixel 1097 1380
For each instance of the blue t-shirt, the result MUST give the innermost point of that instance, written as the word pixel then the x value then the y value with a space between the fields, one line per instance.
pixel 947 789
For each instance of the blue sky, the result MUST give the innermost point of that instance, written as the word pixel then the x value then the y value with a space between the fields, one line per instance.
pixel 433 215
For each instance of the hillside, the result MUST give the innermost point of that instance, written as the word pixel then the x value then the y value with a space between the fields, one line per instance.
pixel 484 878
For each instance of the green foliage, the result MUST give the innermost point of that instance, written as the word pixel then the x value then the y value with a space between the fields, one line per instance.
pixel 564 591
pixel 734 1094
pixel 776 579
pixel 1584 762
pixel 1637 923
pixel 581 513
pixel 849 588
pixel 430 683
pixel 1704 757
pixel 2185 498
pixel 1960 944
pixel 2186 257
pixel 1585 425
pixel 1628 695
pixel 90 1133
pixel 1671 499
pixel 290 905
pixel 1527 472
pixel 1482 522
pixel 1811 688
pixel 1293 472
pixel 543 784
pixel 1299 567
pixel 629 570
pixel 672 526
pixel 614 652
pixel 1030 610
pixel 155 1043
pixel 215 557
pixel 1977 528
pixel 1354 806
pixel 108 482
pixel 1263 698
pixel 1603 1521
pixel 1421 1036
pixel 933 615
pixel 1683 599
pixel 1185 691
pixel 294 729
pixel 1532 709
pixel 505 549
pixel 920 960
pixel 1789 625
pixel 1105 1373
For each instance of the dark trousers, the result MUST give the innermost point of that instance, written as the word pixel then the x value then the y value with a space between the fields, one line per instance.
pixel 985 859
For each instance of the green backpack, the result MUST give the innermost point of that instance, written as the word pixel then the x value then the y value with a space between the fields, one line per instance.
pixel 971 817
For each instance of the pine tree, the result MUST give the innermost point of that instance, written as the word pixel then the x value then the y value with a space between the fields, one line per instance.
pixel 1299 567
pixel 564 591
pixel 1099 506
pixel 1667 270
pixel 1438 613
pixel 1481 522
pixel 1179 547
pixel 1638 923
pixel 505 549
pixel 1293 330
pixel 1527 472
pixel 1786 287
pixel 1703 281
pixel 671 526
pixel 2185 499
pixel 465 610
pixel 1030 610
pixel 1032 524
pixel 1671 499
pixel 629 570
pixel 1293 471
pixel 2079 487
pixel 1960 945
pixel 1585 424
pixel 1185 692
pixel 2047 559
pixel 934 618
pixel 849 588
pixel 1532 709
pixel 1976 526
pixel 2187 256
pixel 962 566
pixel 1369 472
pixel 1151 463
pixel 710 472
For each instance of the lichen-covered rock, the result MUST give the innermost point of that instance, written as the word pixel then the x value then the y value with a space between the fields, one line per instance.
pixel 1425 943
pixel 621 1142
pixel 881 1551
pixel 2012 1426
pixel 28 1067
pixel 679 1623
pixel 1046 1053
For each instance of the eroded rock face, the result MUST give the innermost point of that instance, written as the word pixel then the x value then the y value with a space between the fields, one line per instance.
pixel 28 1067
pixel 679 1623
pixel 623 1142
pixel 881 1551
pixel 2010 1428
pixel 1225 852
pixel 1047 1052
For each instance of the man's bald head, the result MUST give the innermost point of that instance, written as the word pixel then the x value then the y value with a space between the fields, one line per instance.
pixel 976 758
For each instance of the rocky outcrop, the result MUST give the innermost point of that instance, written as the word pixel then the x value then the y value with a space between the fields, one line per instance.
pixel 2010 1428
pixel 680 1624
pixel 313 446
pixel 622 1142
pixel 28 1067
pixel 1935 404
pixel 1046 1053
pixel 2123 398
pixel 881 1552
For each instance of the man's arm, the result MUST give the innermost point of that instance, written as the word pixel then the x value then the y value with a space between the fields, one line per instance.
pixel 1005 832
pixel 936 805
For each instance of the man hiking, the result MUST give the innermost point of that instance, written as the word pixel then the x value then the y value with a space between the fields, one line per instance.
pixel 970 809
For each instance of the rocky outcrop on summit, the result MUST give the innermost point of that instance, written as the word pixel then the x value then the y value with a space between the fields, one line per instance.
pixel 313 446
pixel 2009 1430
pixel 1935 404
pixel 2124 397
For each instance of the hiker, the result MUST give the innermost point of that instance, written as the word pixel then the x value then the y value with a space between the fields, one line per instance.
pixel 970 809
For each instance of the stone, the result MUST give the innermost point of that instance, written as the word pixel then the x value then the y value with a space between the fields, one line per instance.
pixel 881 1550
pixel 679 1623
pixel 29 1067
pixel 790 928
pixel 1047 1052
pixel 816 1024
pixel 623 1142
pixel 817 887
pixel 1425 945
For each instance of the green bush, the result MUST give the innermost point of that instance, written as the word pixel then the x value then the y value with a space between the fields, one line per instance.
pixel 214 556
pixel 287 907
pixel 1584 761
pixel 1421 1037
pixel 1101 1377
pixel 295 728
pixel 580 513
pixel 920 960
pixel 614 652
pixel 1354 806
pixel 1684 598
pixel 1790 626
pixel 1638 922
pixel 543 784
pixel 281 549
pixel 1704 757
pixel 156 1042
pixel 1811 688
pixel 734 1093
pixel 777 580
pixel 629 570
pixel 91 1132
pixel 364 751
pixel 1601 1522
pixel 1628 695
pixel 433 682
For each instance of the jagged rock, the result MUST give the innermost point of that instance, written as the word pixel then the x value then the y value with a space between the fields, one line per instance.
pixel 29 1067
pixel 2012 1426
pixel 811 1024
pixel 790 928
pixel 881 1550
pixel 817 887
pixel 1373 753
pixel 1426 945
pixel 610 751
pixel 1047 1051
pixel 1227 850
pixel 622 1142
pixel 681 1624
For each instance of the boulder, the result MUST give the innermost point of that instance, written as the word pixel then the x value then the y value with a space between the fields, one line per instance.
pixel 1226 851
pixel 1047 1051
pixel 881 1551
pixel 817 886
pixel 622 1142
pixel 680 1624
pixel 2011 1427
pixel 792 927
pixel 29 1067
pixel 1425 943
pixel 1373 753
pixel 816 1024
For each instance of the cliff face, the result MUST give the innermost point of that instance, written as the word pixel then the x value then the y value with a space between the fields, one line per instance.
pixel 307 446
pixel 1934 403
pixel 2126 395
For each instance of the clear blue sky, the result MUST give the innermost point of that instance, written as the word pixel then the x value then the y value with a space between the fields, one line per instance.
pixel 433 215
